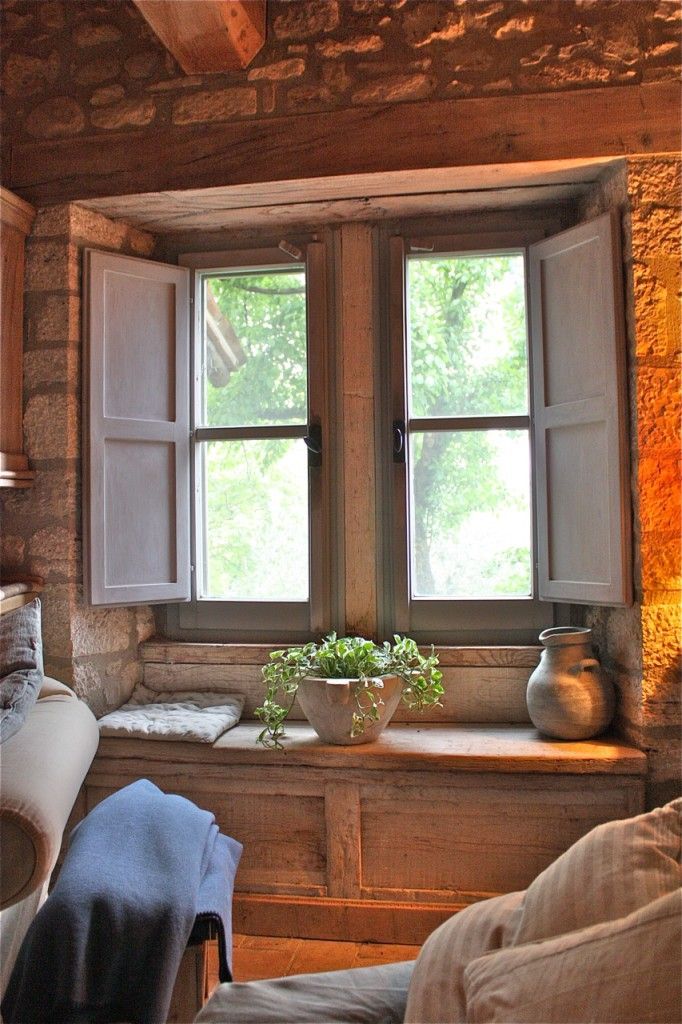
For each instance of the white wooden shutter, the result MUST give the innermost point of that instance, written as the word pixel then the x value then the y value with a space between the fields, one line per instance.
pixel 580 413
pixel 136 431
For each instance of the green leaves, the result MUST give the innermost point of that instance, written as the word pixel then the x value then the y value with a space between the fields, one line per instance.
pixel 348 658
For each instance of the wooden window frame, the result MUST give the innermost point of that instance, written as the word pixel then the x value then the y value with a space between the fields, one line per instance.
pixel 480 620
pixel 250 621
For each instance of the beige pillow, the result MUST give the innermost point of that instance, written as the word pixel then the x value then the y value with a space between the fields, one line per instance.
pixel 623 972
pixel 437 986
pixel 615 869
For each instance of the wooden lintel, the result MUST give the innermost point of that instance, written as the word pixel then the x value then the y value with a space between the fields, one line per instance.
pixel 580 124
pixel 207 36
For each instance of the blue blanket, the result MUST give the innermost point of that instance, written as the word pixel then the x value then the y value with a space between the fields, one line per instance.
pixel 107 943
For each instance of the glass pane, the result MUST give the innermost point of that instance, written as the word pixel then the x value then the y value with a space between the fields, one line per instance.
pixel 255 367
pixel 470 526
pixel 466 333
pixel 256 528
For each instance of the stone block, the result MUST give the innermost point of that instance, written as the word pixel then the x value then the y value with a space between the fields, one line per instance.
pixel 294 67
pixel 44 367
pixel 57 604
pixel 145 624
pixel 220 105
pixel 12 550
pixel 655 233
pixel 52 427
pixel 143 64
pixel 53 318
pixel 90 687
pixel 55 496
pixel 657 297
pixel 333 48
pixel 656 180
pixel 660 484
pixel 51 266
pixel 101 69
pixel 56 118
pixel 171 84
pixel 517 26
pixel 132 113
pixel 51 14
pixel 394 90
pixel 121 676
pixel 91 228
pixel 90 33
pixel 102 630
pixel 107 94
pixel 658 408
pixel 51 221
pixel 305 18
pixel 24 75
pixel 55 542
pixel 309 97
pixel 661 561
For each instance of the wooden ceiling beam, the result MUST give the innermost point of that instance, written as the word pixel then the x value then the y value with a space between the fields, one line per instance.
pixel 582 124
pixel 207 36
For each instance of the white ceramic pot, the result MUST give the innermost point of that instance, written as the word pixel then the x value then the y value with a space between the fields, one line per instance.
pixel 569 696
pixel 329 705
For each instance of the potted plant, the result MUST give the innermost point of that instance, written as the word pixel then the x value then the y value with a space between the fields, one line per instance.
pixel 348 687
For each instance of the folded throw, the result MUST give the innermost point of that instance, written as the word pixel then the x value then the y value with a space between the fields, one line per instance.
pixel 107 943
pixel 183 715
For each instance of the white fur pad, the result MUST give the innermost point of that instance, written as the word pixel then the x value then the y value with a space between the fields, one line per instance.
pixel 182 715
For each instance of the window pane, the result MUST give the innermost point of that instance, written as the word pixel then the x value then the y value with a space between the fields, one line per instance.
pixel 256 529
pixel 470 525
pixel 255 367
pixel 466 335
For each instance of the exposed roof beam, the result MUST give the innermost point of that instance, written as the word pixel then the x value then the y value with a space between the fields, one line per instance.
pixel 207 35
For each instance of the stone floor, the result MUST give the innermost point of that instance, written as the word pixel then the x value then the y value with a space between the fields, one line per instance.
pixel 262 956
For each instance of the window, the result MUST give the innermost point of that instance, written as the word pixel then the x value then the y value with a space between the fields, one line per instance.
pixel 427 429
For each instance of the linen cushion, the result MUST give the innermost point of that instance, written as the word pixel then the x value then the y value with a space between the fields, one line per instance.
pixel 437 987
pixel 613 870
pixel 21 666
pixel 622 972
pixel 361 995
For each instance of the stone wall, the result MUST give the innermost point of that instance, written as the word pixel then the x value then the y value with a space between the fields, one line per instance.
pixel 643 643
pixel 73 67
pixel 93 649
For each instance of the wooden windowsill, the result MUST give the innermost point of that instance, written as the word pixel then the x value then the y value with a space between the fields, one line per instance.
pixel 502 749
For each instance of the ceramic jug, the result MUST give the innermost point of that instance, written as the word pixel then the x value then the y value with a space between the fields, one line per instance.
pixel 569 696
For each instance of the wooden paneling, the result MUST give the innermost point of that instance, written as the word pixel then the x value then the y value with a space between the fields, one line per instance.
pixel 372 842
pixel 136 430
pixel 571 125
pixel 16 218
pixel 356 328
pixel 580 404
pixel 207 35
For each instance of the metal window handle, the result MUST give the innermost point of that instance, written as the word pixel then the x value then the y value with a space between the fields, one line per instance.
pixel 313 442
pixel 398 440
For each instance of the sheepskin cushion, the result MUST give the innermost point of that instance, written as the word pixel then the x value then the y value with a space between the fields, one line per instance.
pixel 627 971
pixel 615 869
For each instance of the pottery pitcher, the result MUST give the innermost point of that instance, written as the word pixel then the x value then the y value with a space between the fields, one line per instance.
pixel 569 696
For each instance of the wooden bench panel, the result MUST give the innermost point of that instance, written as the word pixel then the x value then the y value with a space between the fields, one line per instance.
pixel 383 841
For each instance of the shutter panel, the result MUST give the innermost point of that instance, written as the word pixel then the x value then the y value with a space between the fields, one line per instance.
pixel 580 408
pixel 136 425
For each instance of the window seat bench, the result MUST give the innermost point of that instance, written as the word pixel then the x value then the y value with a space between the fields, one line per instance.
pixel 383 841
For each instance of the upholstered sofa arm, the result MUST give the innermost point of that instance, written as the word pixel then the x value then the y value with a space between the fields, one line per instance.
pixel 43 766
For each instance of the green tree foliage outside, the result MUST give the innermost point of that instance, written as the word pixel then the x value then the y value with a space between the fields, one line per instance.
pixel 470 492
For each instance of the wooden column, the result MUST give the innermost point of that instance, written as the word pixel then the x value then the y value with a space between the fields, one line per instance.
pixel 356 345
pixel 16 218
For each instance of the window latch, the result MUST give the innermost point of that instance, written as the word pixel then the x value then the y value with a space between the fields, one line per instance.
pixel 399 441
pixel 313 442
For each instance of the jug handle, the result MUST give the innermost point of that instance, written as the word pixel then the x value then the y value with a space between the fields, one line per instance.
pixel 338 691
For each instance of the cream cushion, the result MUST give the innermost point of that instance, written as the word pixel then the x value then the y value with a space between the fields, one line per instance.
pixel 43 766
pixel 360 995
pixel 437 987
pixel 615 869
pixel 629 970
